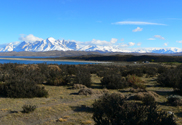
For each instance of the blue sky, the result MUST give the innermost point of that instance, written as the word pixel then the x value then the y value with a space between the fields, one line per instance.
pixel 125 23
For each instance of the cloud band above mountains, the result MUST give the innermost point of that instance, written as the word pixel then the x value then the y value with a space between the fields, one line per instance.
pixel 29 38
pixel 36 44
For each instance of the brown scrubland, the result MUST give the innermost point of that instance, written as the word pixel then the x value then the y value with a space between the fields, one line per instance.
pixel 100 94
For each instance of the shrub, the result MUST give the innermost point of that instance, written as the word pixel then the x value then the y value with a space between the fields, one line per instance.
pixel 57 81
pixel 114 81
pixel 150 71
pixel 85 91
pixel 28 108
pixel 83 77
pixel 135 81
pixel 138 96
pixel 169 78
pixel 69 69
pixel 78 86
pixel 132 71
pixel 140 86
pixel 22 89
pixel 114 110
pixel 89 91
pixel 133 90
pixel 161 69
pixel 174 100
pixel 172 78
pixel 148 99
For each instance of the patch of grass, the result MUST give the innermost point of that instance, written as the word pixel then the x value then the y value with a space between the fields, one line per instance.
pixel 87 122
pixel 61 99
pixel 28 108
pixel 62 120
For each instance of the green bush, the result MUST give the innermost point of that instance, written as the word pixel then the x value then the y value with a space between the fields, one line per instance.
pixel 22 89
pixel 132 71
pixel 174 100
pixel 169 78
pixel 112 109
pixel 148 99
pixel 161 69
pixel 83 77
pixel 150 71
pixel 28 108
pixel 58 81
pixel 172 78
pixel 114 81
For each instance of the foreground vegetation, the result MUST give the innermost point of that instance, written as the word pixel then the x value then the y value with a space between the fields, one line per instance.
pixel 90 94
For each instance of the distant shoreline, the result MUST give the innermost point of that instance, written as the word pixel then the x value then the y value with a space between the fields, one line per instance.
pixel 62 60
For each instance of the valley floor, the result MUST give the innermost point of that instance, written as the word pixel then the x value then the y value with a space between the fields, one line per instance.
pixel 64 106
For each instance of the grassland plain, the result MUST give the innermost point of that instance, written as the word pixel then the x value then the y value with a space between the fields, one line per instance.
pixel 64 106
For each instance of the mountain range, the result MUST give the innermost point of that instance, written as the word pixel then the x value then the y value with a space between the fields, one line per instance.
pixel 50 44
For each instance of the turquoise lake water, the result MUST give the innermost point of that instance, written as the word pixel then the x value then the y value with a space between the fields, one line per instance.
pixel 2 61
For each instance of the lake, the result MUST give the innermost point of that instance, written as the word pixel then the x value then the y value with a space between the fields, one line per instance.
pixel 6 59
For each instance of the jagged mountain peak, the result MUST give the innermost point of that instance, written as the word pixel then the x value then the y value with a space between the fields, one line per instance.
pixel 48 44
pixel 51 44
pixel 51 39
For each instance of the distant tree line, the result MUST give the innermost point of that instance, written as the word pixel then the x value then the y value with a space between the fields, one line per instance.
pixel 129 58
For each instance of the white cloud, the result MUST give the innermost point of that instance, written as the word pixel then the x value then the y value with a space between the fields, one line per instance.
pixel 165 44
pixel 139 44
pixel 179 41
pixel 137 29
pixel 131 44
pixel 99 42
pixel 126 45
pixel 136 23
pixel 123 45
pixel 122 39
pixel 159 36
pixel 29 38
pixel 151 39
pixel 114 40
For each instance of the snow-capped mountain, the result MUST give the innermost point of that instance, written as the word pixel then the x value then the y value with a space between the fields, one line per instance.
pixel 159 50
pixel 103 49
pixel 51 44
pixel 8 47
pixel 45 45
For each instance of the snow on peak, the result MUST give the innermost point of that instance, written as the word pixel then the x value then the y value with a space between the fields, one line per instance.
pixel 51 39
pixel 51 44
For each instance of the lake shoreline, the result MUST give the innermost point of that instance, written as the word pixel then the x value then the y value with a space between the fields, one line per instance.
pixel 62 60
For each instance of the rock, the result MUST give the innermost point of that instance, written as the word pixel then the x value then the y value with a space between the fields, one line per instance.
pixel 170 113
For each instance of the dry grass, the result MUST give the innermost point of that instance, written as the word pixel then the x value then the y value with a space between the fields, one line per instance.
pixel 64 106
pixel 61 107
